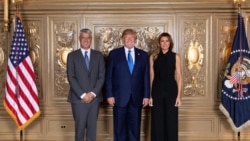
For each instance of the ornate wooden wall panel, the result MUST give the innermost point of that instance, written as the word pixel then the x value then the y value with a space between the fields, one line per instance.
pixel 201 36
pixel 195 48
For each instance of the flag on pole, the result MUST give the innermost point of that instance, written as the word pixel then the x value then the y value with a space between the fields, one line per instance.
pixel 235 98
pixel 21 95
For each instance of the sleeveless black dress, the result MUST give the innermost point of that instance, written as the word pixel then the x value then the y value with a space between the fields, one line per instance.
pixel 164 114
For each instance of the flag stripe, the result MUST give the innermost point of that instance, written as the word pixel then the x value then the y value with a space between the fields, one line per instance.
pixel 12 97
pixel 27 112
pixel 24 82
pixel 30 77
pixel 26 102
pixel 13 106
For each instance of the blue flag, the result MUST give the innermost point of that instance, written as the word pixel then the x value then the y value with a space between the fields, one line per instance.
pixel 235 96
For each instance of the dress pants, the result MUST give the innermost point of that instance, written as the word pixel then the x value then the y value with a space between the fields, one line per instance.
pixel 127 122
pixel 164 120
pixel 85 116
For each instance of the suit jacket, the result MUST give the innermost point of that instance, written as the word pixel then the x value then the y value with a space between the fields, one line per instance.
pixel 124 86
pixel 81 79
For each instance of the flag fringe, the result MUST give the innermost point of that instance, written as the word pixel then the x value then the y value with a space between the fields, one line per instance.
pixel 21 127
pixel 236 129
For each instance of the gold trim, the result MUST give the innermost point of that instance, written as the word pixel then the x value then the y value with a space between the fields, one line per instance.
pixel 6 15
pixel 194 56
pixel 1 56
pixel 239 2
pixel 62 54
pixel 17 3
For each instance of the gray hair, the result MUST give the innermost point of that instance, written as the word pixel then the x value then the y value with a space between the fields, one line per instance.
pixel 86 30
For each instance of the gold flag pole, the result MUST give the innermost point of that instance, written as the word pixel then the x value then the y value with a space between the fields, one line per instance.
pixel 239 2
pixel 6 15
pixel 17 4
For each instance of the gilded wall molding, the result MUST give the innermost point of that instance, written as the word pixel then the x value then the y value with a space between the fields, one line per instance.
pixel 32 32
pixel 65 41
pixel 110 38
pixel 3 58
pixel 226 40
pixel 194 42
pixel 226 31
pixel 33 38
pixel 139 5
pixel 3 43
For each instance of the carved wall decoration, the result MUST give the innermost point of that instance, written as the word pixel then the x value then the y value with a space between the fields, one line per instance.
pixel 227 28
pixel 64 33
pixel 110 38
pixel 194 41
pixel 32 34
pixel 3 42
pixel 227 36
pixel 194 56
pixel 1 56
pixel 3 60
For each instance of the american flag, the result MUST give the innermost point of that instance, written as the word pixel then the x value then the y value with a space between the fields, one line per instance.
pixel 235 78
pixel 21 96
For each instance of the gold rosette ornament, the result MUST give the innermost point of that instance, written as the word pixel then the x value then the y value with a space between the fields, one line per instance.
pixel 194 56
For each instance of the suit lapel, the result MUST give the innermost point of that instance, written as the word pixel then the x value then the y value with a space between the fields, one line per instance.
pixel 92 61
pixel 82 61
pixel 137 60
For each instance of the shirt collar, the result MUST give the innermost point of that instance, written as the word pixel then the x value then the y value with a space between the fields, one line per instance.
pixel 83 51
pixel 132 49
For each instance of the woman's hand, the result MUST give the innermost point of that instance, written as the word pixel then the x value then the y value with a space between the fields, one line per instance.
pixel 178 102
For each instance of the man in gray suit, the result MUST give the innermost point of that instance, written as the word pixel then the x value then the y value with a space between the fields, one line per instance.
pixel 86 74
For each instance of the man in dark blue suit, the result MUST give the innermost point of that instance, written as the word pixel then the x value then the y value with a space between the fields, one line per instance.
pixel 127 87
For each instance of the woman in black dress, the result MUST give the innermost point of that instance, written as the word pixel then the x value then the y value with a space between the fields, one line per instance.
pixel 166 84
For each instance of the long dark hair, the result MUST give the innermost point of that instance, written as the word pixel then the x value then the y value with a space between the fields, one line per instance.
pixel 165 34
pixel 157 51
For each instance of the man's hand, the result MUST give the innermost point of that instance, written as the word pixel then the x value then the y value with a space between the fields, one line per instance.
pixel 111 101
pixel 145 102
pixel 88 98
